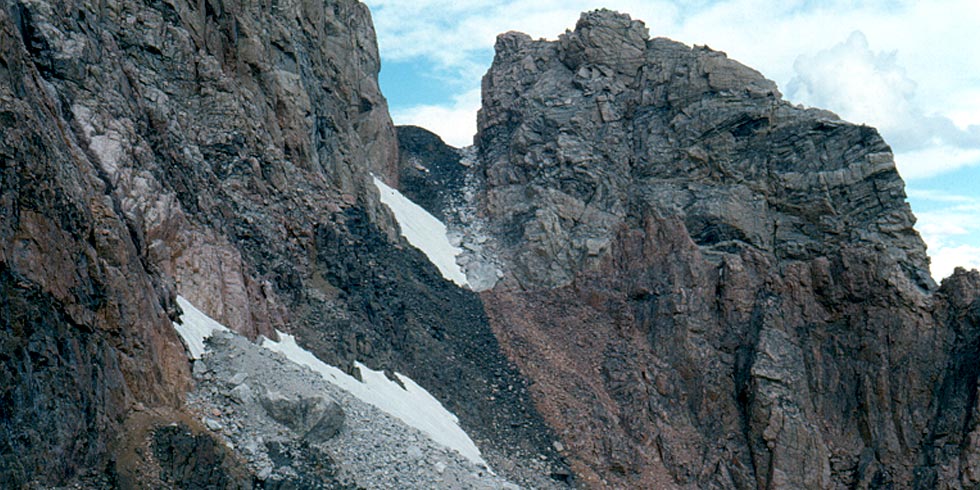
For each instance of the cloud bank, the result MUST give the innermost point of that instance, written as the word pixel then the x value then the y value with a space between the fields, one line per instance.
pixel 944 229
pixel 870 87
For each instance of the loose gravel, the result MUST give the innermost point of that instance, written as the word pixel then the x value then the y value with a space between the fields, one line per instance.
pixel 372 450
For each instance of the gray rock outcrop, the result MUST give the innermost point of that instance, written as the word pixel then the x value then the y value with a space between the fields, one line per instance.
pixel 708 286
pixel 577 136
pixel 690 283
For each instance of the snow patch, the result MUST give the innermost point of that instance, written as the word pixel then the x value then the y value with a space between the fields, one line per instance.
pixel 412 404
pixel 195 328
pixel 424 231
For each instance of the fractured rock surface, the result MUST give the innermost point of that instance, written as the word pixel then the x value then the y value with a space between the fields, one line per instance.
pixel 708 286
pixel 686 282
pixel 222 150
pixel 315 418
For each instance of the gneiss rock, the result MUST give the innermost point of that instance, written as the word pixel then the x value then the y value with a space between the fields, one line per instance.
pixel 710 287
pixel 149 148
pixel 316 418
pixel 242 393
pixel 429 171
pixel 221 150
pixel 575 141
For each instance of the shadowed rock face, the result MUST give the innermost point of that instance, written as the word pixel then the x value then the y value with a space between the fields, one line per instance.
pixel 84 330
pixel 189 460
pixel 709 287
pixel 705 286
pixel 429 171
pixel 221 150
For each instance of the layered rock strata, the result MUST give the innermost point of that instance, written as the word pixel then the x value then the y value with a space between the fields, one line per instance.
pixel 708 286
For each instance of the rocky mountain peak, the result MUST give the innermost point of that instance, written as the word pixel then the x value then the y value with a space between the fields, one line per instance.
pixel 715 274
pixel 607 38
pixel 684 280
pixel 605 124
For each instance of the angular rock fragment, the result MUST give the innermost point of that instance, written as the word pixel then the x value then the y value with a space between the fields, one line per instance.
pixel 316 418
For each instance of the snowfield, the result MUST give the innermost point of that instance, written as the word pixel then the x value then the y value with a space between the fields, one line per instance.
pixel 195 328
pixel 424 231
pixel 412 404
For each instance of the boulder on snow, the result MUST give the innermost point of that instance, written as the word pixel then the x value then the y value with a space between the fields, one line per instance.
pixel 317 418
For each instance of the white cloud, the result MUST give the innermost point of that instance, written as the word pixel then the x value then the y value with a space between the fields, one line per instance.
pixel 456 124
pixel 870 87
pixel 935 160
pixel 946 259
pixel 967 106
pixel 952 233
pixel 862 85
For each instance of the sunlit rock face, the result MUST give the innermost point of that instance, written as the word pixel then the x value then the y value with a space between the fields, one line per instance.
pixel 711 287
pixel 674 278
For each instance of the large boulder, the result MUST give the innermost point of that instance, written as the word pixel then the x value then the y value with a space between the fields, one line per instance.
pixel 317 419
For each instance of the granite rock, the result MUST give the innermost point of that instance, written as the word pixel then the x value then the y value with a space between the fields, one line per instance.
pixel 316 418
pixel 708 286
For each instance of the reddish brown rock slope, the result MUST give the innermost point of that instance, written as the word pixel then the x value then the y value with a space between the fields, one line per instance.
pixel 709 287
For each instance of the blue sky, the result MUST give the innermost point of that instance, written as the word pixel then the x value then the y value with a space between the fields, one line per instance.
pixel 909 68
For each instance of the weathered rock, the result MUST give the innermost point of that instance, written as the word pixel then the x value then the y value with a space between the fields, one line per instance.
pixel 708 286
pixel 242 393
pixel 221 150
pixel 316 418
pixel 189 460
pixel 576 141
pixel 401 313
pixel 429 171
pixel 705 285
pixel 84 331
pixel 237 379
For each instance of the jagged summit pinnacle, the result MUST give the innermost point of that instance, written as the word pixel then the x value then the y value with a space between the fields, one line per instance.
pixel 726 260
pixel 605 37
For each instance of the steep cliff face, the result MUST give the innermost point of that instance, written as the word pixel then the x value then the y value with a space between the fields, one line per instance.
pixel 700 284
pixel 429 171
pixel 708 286
pixel 219 126
pixel 86 336
pixel 221 150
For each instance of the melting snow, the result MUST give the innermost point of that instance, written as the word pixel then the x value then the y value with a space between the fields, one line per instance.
pixel 424 231
pixel 412 404
pixel 196 327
